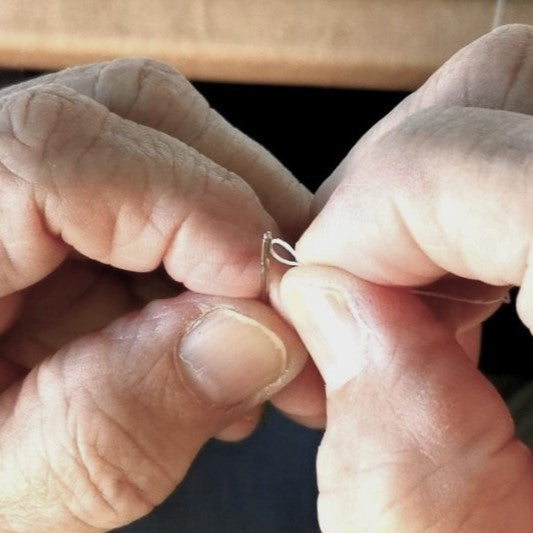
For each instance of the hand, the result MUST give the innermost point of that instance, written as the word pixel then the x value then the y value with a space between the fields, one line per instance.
pixel 438 193
pixel 106 172
pixel 416 438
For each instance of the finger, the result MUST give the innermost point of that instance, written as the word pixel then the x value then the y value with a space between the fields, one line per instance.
pixel 416 438
pixel 428 200
pixel 120 193
pixel 77 298
pixel 243 427
pixel 493 72
pixel 153 94
pixel 104 430
pixel 303 399
pixel 462 303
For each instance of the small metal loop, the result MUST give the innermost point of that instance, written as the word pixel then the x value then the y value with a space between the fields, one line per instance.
pixel 288 248
pixel 267 251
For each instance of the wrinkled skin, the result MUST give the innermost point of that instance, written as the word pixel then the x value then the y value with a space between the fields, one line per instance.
pixel 120 186
pixel 440 193
pixel 416 439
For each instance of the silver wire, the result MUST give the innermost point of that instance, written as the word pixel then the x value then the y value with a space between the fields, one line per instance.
pixel 266 250
pixel 476 301
pixel 288 248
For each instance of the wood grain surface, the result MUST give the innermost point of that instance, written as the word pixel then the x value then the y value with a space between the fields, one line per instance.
pixel 345 43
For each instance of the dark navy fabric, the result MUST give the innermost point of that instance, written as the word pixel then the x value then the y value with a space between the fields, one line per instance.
pixel 264 484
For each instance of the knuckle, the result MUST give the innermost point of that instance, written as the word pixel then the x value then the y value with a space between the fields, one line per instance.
pixel 29 117
pixel 150 92
pixel 495 71
pixel 498 64
pixel 512 31
pixel 154 76
pixel 27 121
pixel 40 124
pixel 505 44
pixel 141 65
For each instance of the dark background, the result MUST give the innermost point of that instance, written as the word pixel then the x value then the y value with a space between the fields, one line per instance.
pixel 266 484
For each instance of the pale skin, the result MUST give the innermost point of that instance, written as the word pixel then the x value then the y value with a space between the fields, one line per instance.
pixel 416 438
pixel 124 165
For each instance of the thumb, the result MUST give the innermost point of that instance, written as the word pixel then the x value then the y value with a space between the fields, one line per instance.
pixel 104 430
pixel 416 438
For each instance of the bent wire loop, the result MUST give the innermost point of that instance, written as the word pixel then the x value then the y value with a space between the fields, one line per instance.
pixel 268 250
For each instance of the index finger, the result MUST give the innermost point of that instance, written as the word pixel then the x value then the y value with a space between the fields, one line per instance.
pixel 153 94
pixel 74 175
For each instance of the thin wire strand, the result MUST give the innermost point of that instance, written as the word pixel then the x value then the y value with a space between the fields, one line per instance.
pixel 453 298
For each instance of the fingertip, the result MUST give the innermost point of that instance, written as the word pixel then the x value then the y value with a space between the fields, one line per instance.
pixel 311 422
pixel 304 398
pixel 217 256
pixel 243 427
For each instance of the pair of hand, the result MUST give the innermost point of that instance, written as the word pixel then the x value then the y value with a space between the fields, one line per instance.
pixel 105 400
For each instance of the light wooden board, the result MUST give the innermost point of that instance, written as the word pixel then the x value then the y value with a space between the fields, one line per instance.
pixel 346 43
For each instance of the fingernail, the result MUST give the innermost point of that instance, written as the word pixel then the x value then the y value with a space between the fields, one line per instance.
pixel 229 357
pixel 328 327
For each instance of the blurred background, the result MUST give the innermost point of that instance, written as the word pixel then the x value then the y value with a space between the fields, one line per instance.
pixel 306 78
pixel 378 44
